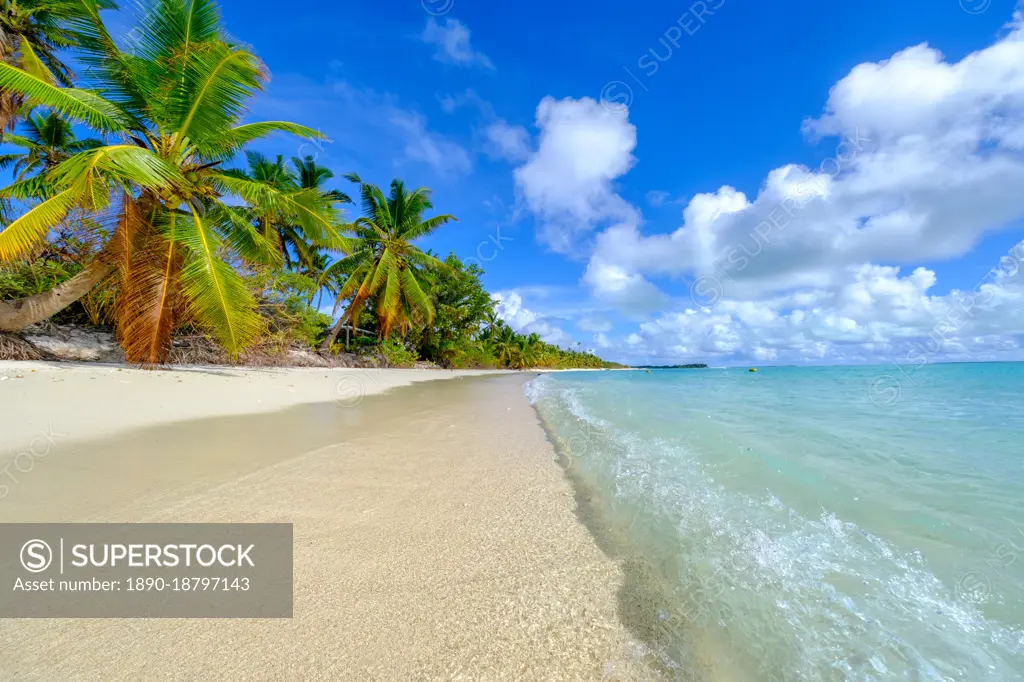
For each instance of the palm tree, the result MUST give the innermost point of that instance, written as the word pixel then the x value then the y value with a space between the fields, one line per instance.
pixel 173 109
pixel 311 176
pixel 506 344
pixel 31 31
pixel 272 221
pixel 315 270
pixel 493 322
pixel 385 264
pixel 48 141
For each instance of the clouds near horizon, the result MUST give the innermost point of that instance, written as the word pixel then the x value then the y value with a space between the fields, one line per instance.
pixel 926 158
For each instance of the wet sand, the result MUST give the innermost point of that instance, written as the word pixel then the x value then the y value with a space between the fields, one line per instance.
pixel 436 537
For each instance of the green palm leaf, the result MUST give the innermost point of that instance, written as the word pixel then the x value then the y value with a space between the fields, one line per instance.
pixel 79 105
pixel 239 136
pixel 216 293
pixel 126 164
pixel 22 235
pixel 418 301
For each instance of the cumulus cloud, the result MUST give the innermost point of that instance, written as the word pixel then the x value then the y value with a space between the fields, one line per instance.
pixel 507 141
pixel 627 291
pixel 873 312
pixel 425 146
pixel 509 307
pixel 568 182
pixel 926 157
pixel 451 39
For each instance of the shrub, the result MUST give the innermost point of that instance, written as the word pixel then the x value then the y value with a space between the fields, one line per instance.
pixel 397 354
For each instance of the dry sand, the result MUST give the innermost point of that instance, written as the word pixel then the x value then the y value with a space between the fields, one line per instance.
pixel 85 400
pixel 435 534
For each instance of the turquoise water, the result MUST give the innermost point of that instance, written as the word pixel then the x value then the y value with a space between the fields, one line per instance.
pixel 793 525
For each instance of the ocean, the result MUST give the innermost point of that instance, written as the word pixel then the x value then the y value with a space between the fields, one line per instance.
pixel 806 523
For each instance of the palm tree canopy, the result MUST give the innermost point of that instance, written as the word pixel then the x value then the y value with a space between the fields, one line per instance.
pixel 173 111
pixel 277 224
pixel 31 31
pixel 47 140
pixel 386 264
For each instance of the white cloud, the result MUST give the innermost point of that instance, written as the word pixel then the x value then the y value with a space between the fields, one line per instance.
pixel 927 158
pixel 420 144
pixel 657 197
pixel 507 141
pixel 568 182
pixel 509 307
pixel 467 98
pixel 364 126
pixel 593 324
pixel 872 313
pixel 451 38
pixel 616 286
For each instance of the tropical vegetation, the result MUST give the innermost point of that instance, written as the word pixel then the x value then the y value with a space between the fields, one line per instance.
pixel 138 201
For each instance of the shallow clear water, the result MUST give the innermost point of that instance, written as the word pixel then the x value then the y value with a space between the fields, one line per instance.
pixel 789 526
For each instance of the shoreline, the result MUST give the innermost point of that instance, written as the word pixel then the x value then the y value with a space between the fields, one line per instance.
pixel 436 536
pixel 73 399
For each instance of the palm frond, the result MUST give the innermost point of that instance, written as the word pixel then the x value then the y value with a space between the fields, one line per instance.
pixel 418 301
pixel 315 214
pixel 79 105
pixel 217 83
pixel 22 235
pixel 239 136
pixel 390 302
pixel 125 163
pixel 30 188
pixel 422 229
pixel 149 302
pixel 245 239
pixel 216 293
pixel 31 64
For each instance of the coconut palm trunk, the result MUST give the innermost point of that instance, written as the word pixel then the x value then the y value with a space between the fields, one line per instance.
pixel 17 314
pixel 332 336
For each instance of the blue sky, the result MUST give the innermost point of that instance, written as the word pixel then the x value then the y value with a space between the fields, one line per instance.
pixel 624 159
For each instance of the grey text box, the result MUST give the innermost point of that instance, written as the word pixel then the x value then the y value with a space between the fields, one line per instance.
pixel 145 570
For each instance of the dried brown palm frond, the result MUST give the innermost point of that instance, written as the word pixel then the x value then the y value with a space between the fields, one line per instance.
pixel 149 302
pixel 13 347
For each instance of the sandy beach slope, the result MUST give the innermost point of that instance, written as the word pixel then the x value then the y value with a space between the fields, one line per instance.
pixel 435 534
pixel 85 400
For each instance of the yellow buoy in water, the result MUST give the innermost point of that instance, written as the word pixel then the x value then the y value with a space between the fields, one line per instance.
pixel 753 369
pixel 648 371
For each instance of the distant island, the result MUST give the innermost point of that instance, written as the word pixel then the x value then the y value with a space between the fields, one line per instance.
pixel 699 365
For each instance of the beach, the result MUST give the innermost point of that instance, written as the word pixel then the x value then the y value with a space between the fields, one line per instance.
pixel 435 534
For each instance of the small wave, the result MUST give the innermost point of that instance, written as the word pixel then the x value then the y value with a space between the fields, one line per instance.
pixel 537 387
pixel 790 597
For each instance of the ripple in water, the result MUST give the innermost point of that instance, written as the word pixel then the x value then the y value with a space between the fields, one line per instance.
pixel 782 528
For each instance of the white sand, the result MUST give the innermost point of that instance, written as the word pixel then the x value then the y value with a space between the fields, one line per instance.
pixel 85 400
pixel 436 537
